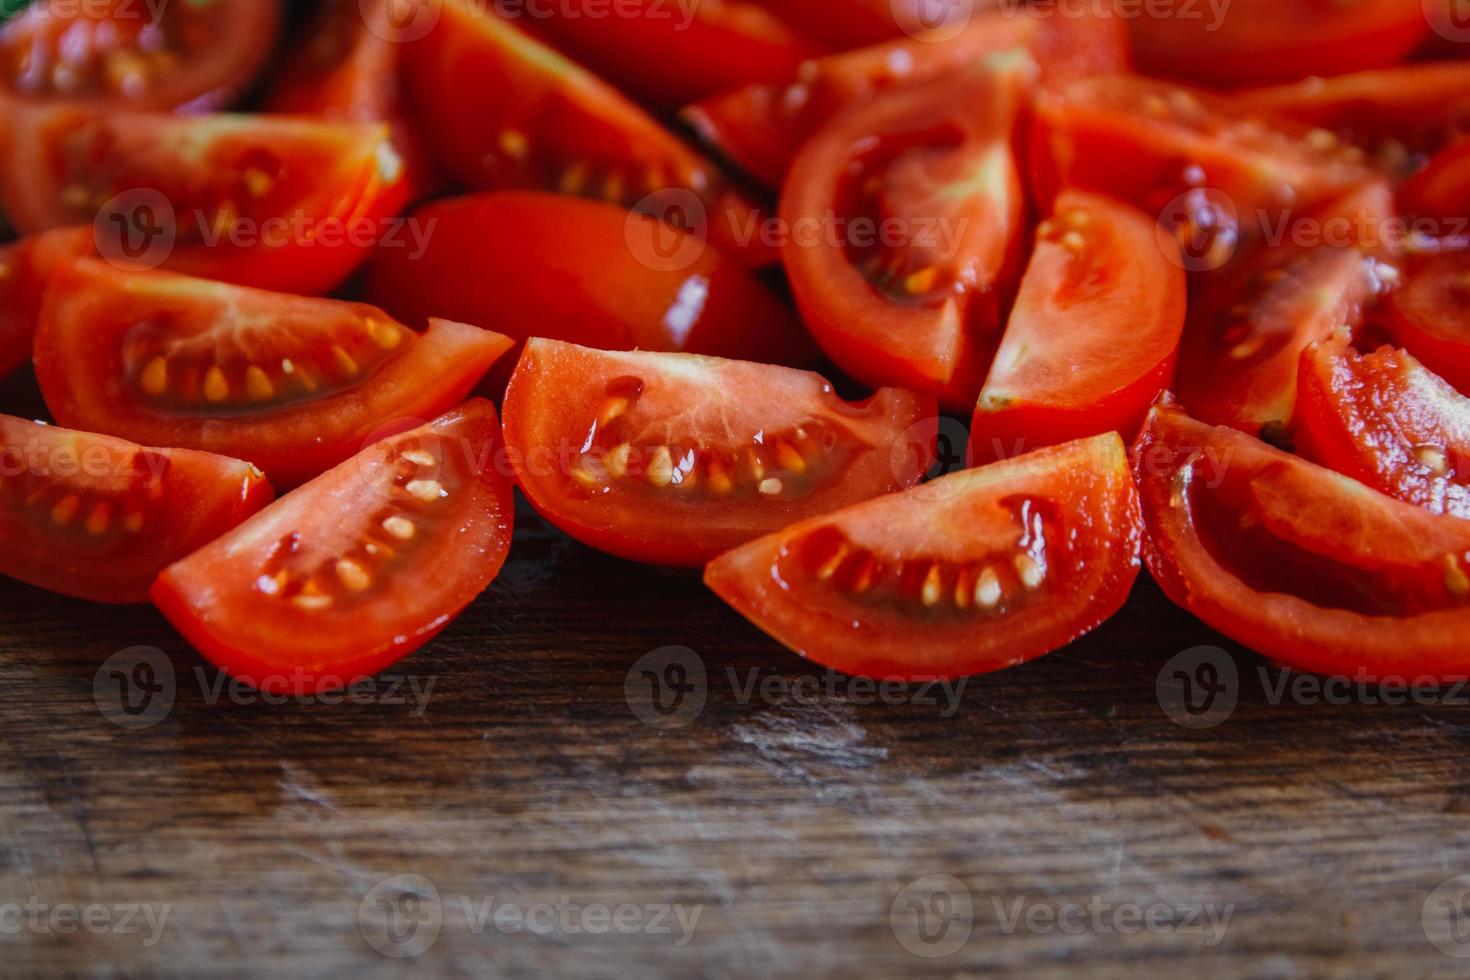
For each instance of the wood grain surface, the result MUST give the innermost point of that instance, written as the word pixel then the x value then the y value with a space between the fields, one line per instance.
pixel 795 821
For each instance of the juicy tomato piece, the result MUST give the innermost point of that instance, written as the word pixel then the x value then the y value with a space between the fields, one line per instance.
pixel 979 570
pixel 1305 565
pixel 572 272
pixel 347 69
pixel 503 111
pixel 123 53
pixel 25 269
pixel 906 223
pixel 762 127
pixel 1387 421
pixel 357 569
pixel 293 384
pixel 1247 42
pixel 666 56
pixel 97 518
pixel 1249 323
pixel 1430 315
pixel 1442 189
pixel 1166 148
pixel 1094 335
pixel 288 204
pixel 674 458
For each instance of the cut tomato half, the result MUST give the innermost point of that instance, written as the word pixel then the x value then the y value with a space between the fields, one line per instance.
pixel 355 570
pixel 1249 323
pixel 503 111
pixel 293 384
pixel 25 269
pixel 1430 315
pixel 905 218
pixel 1245 42
pixel 97 518
pixel 1387 421
pixel 288 204
pixel 674 458
pixel 1300 563
pixel 761 127
pixel 1094 335
pixel 977 571
pixel 584 272
pixel 192 56
pixel 1442 189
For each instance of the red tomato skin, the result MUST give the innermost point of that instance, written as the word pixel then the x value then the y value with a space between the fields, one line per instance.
pixel 1442 188
pixel 25 268
pixel 1088 480
pixel 233 625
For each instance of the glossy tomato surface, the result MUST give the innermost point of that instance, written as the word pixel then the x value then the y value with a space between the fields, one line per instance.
pixel 1301 563
pixel 977 571
pixel 25 269
pixel 674 458
pixel 1430 315
pixel 293 384
pixel 1442 190
pixel 358 568
pixel 97 518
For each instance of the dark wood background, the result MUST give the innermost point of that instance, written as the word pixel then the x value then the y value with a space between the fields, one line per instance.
pixel 795 820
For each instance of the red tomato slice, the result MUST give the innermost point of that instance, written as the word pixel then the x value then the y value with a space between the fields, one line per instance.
pixel 667 56
pixel 1094 335
pixel 25 268
pixel 347 69
pixel 1249 324
pixel 358 568
pixel 980 570
pixel 843 24
pixel 1245 42
pixel 295 385
pixel 762 127
pixel 1302 564
pixel 1388 422
pixel 286 204
pixel 503 111
pixel 97 518
pixel 1430 315
pixel 1442 189
pixel 674 458
pixel 1166 148
pixel 905 218
pixel 192 56
pixel 583 272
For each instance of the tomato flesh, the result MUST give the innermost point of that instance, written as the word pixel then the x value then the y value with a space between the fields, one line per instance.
pixel 935 164
pixel 1442 189
pixel 1094 335
pixel 979 570
pixel 191 56
pixel 1386 421
pixel 295 385
pixel 1301 563
pixel 355 570
pixel 674 458
pixel 97 518
pixel 1430 315
pixel 25 269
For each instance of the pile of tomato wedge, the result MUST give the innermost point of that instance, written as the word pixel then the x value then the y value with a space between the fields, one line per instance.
pixel 1195 283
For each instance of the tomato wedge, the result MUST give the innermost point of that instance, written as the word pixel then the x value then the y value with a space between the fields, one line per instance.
pixel 1387 421
pixel 1430 315
pixel 667 56
pixel 1249 324
pixel 979 570
pixel 503 111
pixel 295 385
pixel 127 53
pixel 286 204
pixel 761 127
pixel 358 568
pixel 1300 563
pixel 581 271
pixel 1094 335
pixel 97 518
pixel 25 268
pixel 1442 189
pixel 1245 42
pixel 905 218
pixel 674 458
